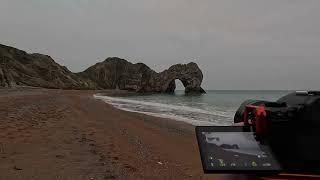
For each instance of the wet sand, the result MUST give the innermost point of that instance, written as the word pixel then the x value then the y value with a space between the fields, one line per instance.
pixel 58 134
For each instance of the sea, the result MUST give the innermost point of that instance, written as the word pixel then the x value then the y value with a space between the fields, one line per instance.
pixel 216 107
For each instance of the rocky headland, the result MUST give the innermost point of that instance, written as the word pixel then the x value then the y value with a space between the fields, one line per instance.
pixel 19 68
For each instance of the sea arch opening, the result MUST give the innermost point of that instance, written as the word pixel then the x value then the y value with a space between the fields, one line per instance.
pixel 176 86
pixel 180 88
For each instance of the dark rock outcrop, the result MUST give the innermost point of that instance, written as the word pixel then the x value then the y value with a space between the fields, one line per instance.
pixel 116 73
pixel 189 74
pixel 18 68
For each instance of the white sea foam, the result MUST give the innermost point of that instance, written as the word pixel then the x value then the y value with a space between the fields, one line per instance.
pixel 114 100
pixel 176 112
pixel 212 108
pixel 175 117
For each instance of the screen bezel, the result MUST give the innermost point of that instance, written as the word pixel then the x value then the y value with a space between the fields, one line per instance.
pixel 200 129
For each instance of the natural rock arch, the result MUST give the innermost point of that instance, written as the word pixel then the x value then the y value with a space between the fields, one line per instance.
pixel 189 74
pixel 18 68
pixel 119 73
pixel 172 86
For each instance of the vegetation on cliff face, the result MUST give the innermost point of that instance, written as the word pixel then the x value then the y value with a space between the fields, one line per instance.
pixel 18 68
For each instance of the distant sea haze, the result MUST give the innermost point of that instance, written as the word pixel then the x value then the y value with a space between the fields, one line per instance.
pixel 216 107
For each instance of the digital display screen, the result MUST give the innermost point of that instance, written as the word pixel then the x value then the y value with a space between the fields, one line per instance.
pixel 229 149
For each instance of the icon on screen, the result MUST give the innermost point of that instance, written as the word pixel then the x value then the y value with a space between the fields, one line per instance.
pixel 266 164
pixel 254 164
pixel 221 163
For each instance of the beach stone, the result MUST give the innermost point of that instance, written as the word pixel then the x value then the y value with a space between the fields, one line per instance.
pixel 17 168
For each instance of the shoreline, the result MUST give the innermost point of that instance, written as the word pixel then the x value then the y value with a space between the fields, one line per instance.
pixel 118 99
pixel 68 134
pixel 48 134
pixel 187 127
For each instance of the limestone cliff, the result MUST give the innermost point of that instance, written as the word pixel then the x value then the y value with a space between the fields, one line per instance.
pixel 116 73
pixel 18 68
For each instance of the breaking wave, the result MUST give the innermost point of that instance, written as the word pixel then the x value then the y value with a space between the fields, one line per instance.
pixel 192 115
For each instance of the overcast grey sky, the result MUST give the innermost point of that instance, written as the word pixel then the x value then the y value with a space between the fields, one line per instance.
pixel 239 44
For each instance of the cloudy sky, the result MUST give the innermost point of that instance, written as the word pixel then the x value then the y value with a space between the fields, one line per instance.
pixel 239 44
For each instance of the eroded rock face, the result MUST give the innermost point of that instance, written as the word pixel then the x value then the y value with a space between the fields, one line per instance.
pixel 18 68
pixel 116 73
pixel 189 74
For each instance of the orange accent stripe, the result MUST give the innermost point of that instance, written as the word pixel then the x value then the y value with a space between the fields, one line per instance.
pixel 286 176
pixel 300 175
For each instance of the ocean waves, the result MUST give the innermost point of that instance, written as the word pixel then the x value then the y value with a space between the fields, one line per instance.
pixel 179 111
